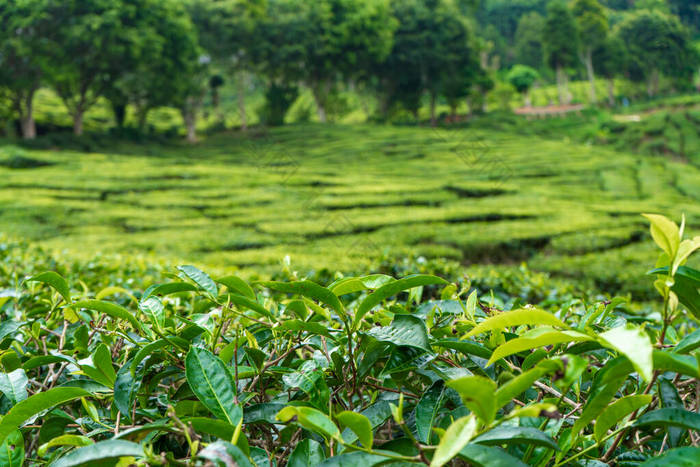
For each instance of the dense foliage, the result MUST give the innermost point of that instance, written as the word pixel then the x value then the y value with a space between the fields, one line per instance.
pixel 369 370
pixel 394 56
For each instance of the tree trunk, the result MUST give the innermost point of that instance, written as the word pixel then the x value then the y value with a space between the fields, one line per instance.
pixel 320 99
pixel 78 122
pixel 611 92
pixel 591 74
pixel 562 86
pixel 433 117
pixel 190 126
pixel 189 116
pixel 119 111
pixel 241 100
pixel 27 117
pixel 142 113
pixel 528 98
pixel 653 83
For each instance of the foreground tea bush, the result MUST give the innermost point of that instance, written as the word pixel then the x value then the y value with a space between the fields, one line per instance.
pixel 366 371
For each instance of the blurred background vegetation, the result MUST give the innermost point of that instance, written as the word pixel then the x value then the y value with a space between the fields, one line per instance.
pixel 352 134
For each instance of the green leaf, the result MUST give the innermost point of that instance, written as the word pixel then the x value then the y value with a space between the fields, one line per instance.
pixel 467 347
pixel 153 308
pixel 12 450
pixel 670 417
pixel 265 412
pixel 211 426
pixel 200 278
pixel 14 385
pixel 521 383
pixel 54 280
pixel 311 290
pixel 126 386
pixel 167 289
pixel 377 413
pixel 350 285
pixel 110 309
pixel 686 285
pixel 64 440
pixel 310 379
pixel 680 457
pixel 477 393
pixel 359 424
pixel 354 459
pixel 404 330
pixel 457 435
pixel 102 358
pixel 104 450
pixel 34 404
pixel 634 344
pixel 516 435
pixel 538 337
pixel 243 302
pixel 390 289
pixel 311 419
pixel 427 409
pixel 307 452
pixel 529 316
pixel 670 399
pixel 237 285
pixel 41 360
pixel 685 249
pixel 665 233
pixel 211 382
pixel 225 454
pixel 8 328
pixel 688 343
pixel 310 327
pixel 487 456
pixel 617 411
pixel 596 404
pixel 681 364
pixel 149 349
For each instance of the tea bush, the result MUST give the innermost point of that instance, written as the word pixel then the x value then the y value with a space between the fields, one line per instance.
pixel 368 370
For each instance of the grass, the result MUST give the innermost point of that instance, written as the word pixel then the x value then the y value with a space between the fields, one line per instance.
pixel 342 197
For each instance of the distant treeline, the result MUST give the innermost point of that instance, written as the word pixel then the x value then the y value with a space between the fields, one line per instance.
pixel 144 54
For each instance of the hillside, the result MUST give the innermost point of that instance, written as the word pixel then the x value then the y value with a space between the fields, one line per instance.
pixel 342 197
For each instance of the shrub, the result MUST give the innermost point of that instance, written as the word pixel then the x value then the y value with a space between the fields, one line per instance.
pixel 364 371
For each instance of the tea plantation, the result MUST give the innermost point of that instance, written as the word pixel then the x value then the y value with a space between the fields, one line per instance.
pixel 343 198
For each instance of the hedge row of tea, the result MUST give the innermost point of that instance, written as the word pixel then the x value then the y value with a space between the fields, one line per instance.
pixel 343 198
pixel 367 370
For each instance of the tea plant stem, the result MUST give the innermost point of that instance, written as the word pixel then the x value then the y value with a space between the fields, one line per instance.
pixel 556 393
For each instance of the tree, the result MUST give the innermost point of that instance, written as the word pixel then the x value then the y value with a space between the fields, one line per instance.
pixel 88 43
pixel 21 58
pixel 454 61
pixel 279 56
pixel 561 44
pixel 344 38
pixel 610 58
pixel 191 94
pixel 592 25
pixel 528 40
pixel 162 68
pixel 522 77
pixel 657 42
pixel 227 31
pixel 434 51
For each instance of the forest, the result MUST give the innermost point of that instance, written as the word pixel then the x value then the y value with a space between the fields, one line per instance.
pixel 247 233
